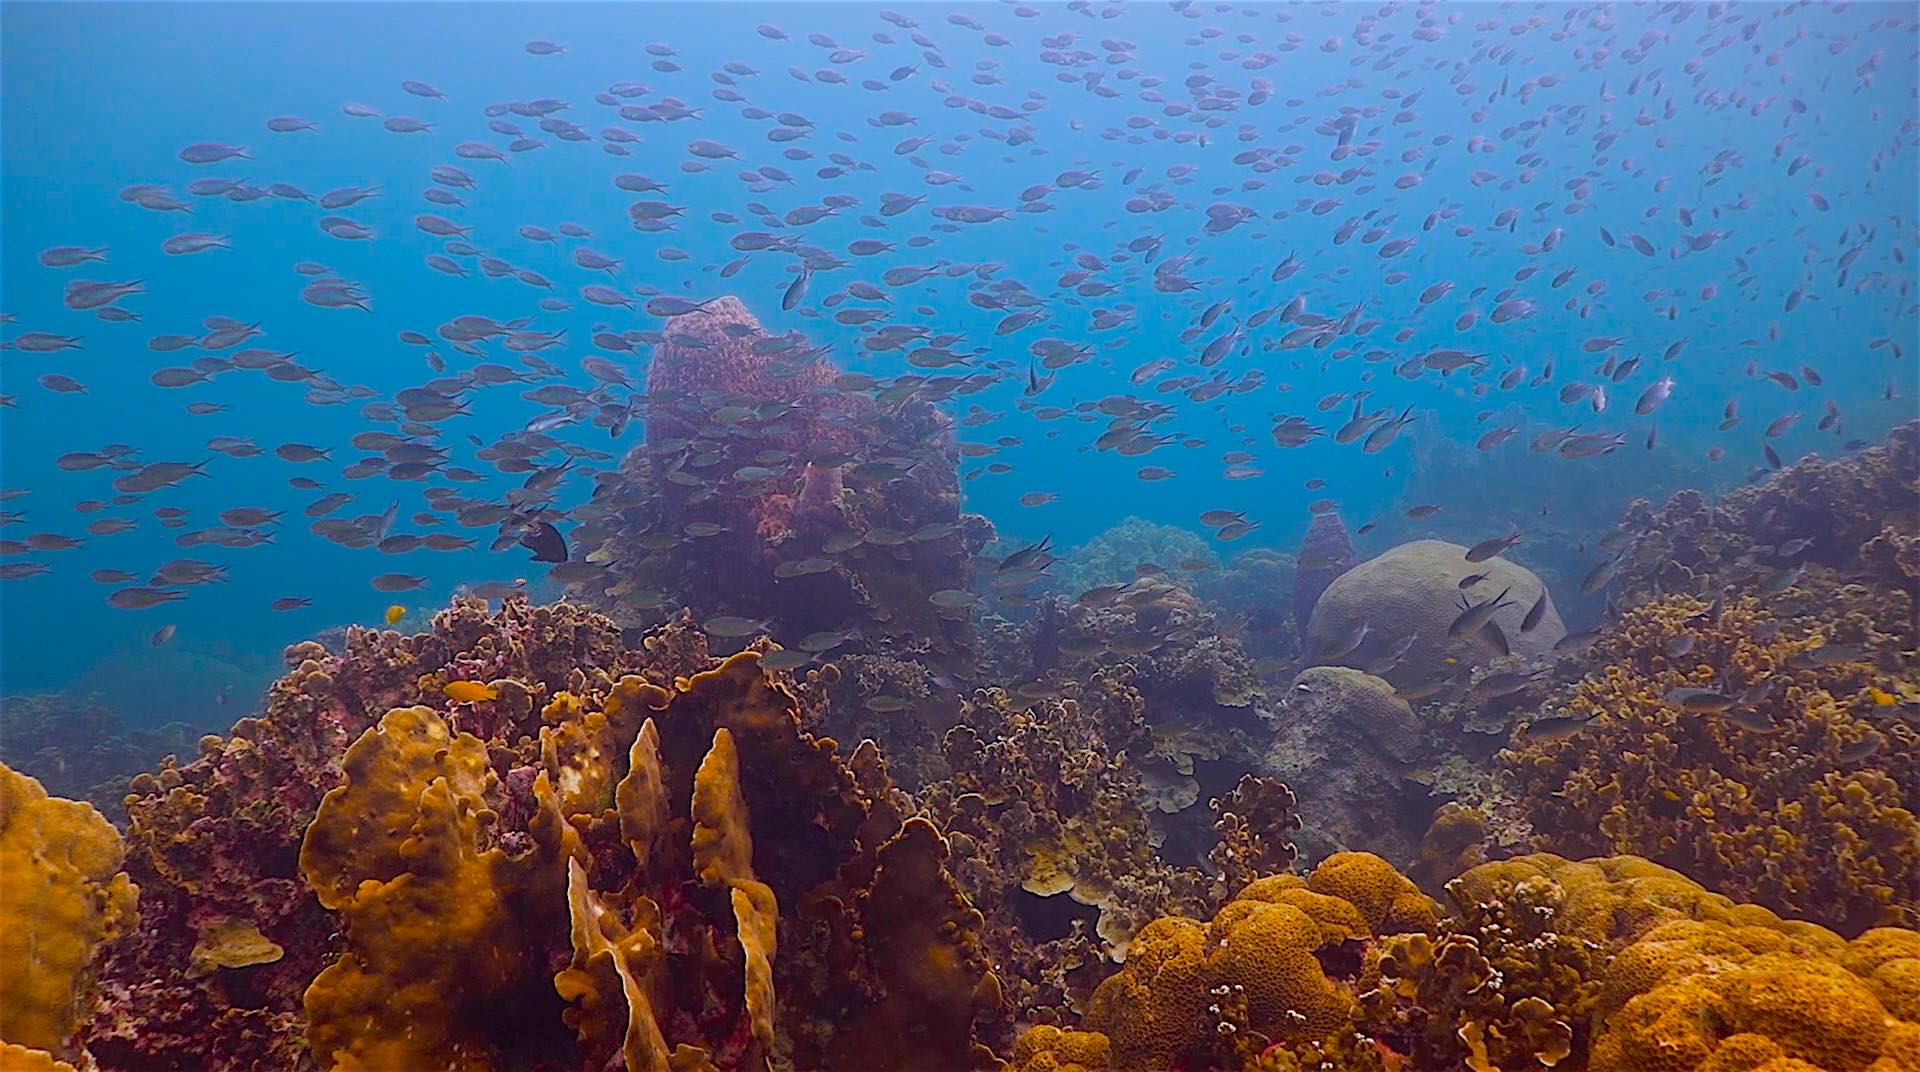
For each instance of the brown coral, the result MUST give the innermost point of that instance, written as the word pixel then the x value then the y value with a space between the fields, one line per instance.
pixel 1802 800
pixel 1278 965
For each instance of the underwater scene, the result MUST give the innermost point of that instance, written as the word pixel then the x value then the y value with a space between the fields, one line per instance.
pixel 959 537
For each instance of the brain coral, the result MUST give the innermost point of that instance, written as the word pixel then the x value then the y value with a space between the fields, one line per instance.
pixel 1278 964
pixel 1693 995
pixel 1414 591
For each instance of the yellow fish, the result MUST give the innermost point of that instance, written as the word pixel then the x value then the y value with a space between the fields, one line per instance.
pixel 395 613
pixel 1881 697
pixel 470 691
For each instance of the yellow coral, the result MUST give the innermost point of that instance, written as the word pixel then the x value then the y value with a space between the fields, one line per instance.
pixel 21 1059
pixel 1388 899
pixel 62 895
pixel 1698 996
pixel 723 856
pixel 1261 966
pixel 1052 1049
pixel 434 960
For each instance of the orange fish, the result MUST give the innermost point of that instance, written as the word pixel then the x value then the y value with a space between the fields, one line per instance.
pixel 470 691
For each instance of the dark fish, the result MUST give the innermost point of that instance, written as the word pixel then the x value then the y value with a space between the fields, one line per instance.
pixel 1475 615
pixel 545 542
pixel 1556 729
pixel 1344 644
pixel 1535 613
pixel 1494 639
pixel 1698 700
pixel 1491 548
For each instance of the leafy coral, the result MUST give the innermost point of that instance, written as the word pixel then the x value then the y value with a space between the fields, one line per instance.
pixel 64 897
pixel 1812 816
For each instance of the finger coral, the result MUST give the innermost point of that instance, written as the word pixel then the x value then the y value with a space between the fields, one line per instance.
pixel 64 896
pixel 1801 798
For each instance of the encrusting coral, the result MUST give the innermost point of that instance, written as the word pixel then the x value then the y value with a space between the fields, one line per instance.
pixel 64 897
pixel 1801 797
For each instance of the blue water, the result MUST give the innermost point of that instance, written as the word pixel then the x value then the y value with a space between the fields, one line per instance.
pixel 1702 111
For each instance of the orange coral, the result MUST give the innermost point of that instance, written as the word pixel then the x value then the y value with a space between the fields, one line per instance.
pixel 436 972
pixel 1692 996
pixel 1277 965
pixel 64 896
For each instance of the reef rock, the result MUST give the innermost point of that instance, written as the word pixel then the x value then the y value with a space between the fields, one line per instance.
pixel 1326 552
pixel 766 491
pixel 1343 742
pixel 1414 590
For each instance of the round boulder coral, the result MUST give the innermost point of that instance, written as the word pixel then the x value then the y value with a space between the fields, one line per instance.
pixel 1415 591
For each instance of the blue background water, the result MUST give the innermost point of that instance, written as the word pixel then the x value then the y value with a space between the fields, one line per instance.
pixel 97 97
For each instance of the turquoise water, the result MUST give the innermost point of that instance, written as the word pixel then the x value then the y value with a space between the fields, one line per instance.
pixel 1764 155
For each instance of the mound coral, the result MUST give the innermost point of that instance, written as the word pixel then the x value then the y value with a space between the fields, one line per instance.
pixel 1412 594
pixel 1800 798
pixel 1346 740
pixel 1611 964
pixel 1277 965
pixel 64 897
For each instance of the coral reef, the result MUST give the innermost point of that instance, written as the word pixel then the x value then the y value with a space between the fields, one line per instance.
pixel 1346 741
pixel 78 747
pixel 215 843
pixel 1117 555
pixel 767 493
pixel 1610 964
pixel 611 853
pixel 65 896
pixel 1823 513
pixel 1412 595
pixel 1326 552
pixel 1798 794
